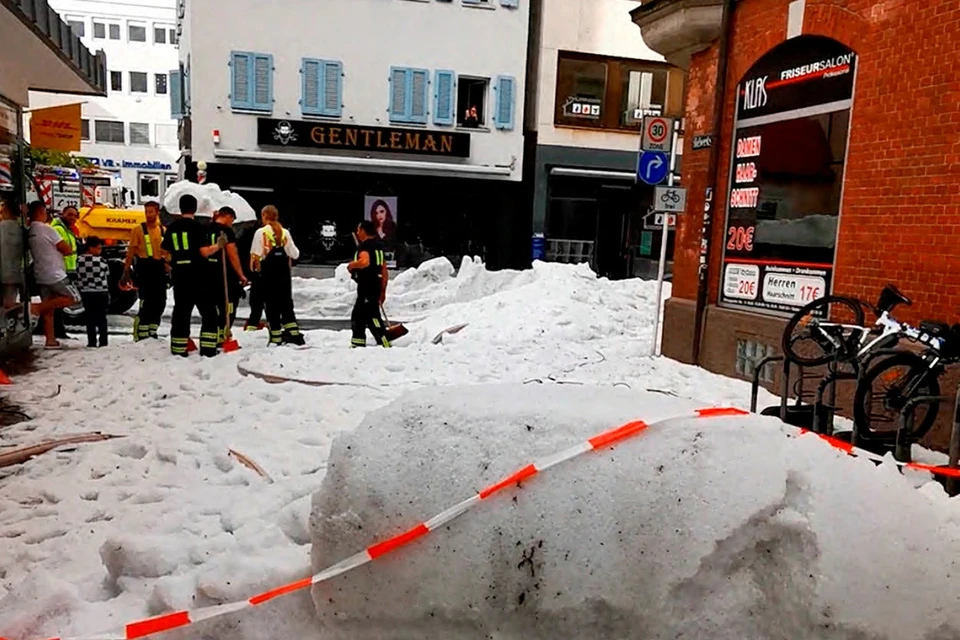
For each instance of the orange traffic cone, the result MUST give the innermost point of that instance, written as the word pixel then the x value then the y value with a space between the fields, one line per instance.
pixel 5 379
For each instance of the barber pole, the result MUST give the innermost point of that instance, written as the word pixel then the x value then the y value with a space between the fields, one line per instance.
pixel 6 176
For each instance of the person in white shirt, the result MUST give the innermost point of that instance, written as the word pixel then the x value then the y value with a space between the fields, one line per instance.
pixel 271 254
pixel 48 250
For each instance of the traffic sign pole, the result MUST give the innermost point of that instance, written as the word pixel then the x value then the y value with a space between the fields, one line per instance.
pixel 662 266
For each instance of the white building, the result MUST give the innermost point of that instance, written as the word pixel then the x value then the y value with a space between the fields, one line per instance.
pixel 323 108
pixel 592 79
pixel 130 131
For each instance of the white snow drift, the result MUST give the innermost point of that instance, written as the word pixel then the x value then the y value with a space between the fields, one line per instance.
pixel 209 197
pixel 720 528
pixel 165 519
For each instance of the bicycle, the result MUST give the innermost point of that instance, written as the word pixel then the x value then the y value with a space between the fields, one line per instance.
pixel 895 380
pixel 845 339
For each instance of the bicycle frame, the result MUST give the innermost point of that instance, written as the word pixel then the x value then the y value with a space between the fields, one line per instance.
pixel 888 325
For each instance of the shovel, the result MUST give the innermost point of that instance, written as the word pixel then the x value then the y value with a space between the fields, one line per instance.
pixel 394 330
pixel 229 343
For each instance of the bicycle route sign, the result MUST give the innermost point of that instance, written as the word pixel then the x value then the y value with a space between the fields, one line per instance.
pixel 656 134
pixel 669 199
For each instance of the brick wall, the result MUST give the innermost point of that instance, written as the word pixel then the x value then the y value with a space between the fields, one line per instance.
pixel 900 217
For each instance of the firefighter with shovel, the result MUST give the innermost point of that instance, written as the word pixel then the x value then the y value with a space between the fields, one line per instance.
pixel 226 273
pixel 369 270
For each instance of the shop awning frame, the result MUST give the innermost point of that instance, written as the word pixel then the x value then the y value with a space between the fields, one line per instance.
pixel 376 165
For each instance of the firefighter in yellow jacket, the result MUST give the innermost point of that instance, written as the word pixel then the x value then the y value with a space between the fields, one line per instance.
pixel 147 262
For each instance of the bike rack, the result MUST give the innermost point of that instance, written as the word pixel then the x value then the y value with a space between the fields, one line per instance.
pixel 903 445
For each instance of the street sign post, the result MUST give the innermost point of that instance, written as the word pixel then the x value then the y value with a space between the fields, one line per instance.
pixel 652 167
pixel 657 134
pixel 670 199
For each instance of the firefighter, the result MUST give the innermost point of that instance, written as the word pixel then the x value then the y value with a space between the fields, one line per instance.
pixel 369 270
pixel 223 224
pixel 148 262
pixel 271 253
pixel 188 244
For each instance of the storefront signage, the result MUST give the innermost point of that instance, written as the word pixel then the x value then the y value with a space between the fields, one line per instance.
pixel 785 176
pixel 56 128
pixel 815 71
pixel 109 163
pixel 321 135
pixel 95 181
pixel 582 108
pixel 702 142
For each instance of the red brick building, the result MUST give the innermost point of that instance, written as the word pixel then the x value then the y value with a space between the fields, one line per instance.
pixel 834 164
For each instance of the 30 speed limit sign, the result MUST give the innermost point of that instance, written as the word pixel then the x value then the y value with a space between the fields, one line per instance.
pixel 657 134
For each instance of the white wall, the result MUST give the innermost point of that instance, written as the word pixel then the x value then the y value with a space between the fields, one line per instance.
pixel 601 27
pixel 368 37
pixel 124 106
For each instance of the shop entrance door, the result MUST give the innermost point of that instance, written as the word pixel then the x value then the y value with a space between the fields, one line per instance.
pixel 615 205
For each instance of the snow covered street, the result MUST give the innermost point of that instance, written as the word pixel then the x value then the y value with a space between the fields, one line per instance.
pixel 166 518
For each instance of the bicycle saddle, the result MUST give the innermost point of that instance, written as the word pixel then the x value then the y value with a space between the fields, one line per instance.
pixel 890 297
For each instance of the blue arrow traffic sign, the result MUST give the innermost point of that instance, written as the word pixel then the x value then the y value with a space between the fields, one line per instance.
pixel 652 167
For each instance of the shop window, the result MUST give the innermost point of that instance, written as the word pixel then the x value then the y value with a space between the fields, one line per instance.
pixel 139 133
pixel 109 131
pixel 160 35
pixel 78 27
pixel 160 81
pixel 611 93
pixel 149 186
pixel 138 82
pixel 472 101
pixel 99 30
pixel 170 179
pixel 84 129
pixel 114 32
pixel 116 81
pixel 783 198
pixel 136 33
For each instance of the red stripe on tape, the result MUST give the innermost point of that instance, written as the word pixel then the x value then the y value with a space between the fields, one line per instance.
pixel 717 412
pixel 279 591
pixel 943 471
pixel 387 546
pixel 837 443
pixel 614 435
pixel 523 474
pixel 157 625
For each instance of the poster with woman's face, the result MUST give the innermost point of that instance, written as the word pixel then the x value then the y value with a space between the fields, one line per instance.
pixel 382 211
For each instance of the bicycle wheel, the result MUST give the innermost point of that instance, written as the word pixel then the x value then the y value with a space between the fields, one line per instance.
pixel 890 384
pixel 808 347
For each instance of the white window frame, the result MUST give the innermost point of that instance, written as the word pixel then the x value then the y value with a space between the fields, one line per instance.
pixel 114 23
pixel 93 29
pixel 487 111
pixel 82 20
pixel 99 141
pixel 146 91
pixel 146 31
pixel 149 141
pixel 161 183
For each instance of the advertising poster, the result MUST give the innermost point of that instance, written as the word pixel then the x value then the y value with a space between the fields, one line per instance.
pixel 382 211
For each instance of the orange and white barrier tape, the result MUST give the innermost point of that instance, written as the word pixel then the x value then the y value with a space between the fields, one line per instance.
pixel 857 452
pixel 170 621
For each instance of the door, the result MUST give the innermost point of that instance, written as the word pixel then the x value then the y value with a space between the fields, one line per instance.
pixel 611 255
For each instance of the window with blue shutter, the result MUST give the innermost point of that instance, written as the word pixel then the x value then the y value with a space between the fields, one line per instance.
pixel 445 91
pixel 321 92
pixel 251 81
pixel 503 115
pixel 176 94
pixel 408 95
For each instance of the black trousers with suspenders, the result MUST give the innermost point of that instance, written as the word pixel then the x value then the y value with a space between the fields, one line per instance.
pixel 191 288
pixel 366 310
pixel 150 274
pixel 277 289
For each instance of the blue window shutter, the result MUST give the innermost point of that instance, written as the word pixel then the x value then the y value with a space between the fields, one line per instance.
pixel 399 94
pixel 176 94
pixel 419 101
pixel 186 88
pixel 505 101
pixel 444 85
pixel 310 72
pixel 262 82
pixel 241 69
pixel 513 4
pixel 331 96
